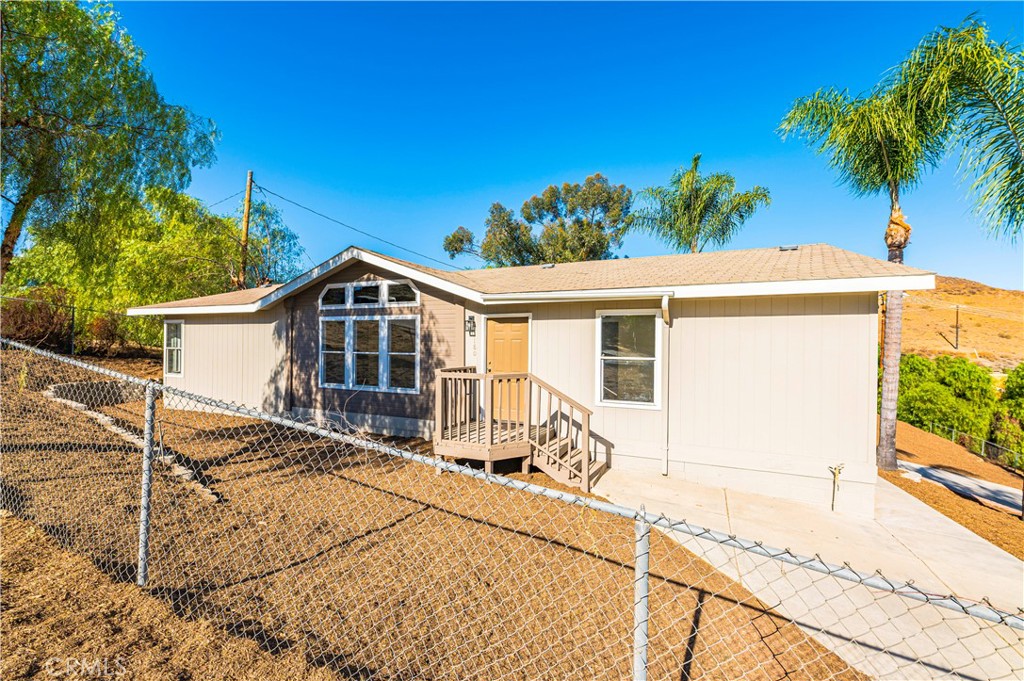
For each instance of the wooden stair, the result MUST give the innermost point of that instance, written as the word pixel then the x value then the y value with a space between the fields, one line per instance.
pixel 498 416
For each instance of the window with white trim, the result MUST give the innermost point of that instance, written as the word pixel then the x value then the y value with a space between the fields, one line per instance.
pixel 370 293
pixel 377 353
pixel 628 358
pixel 173 348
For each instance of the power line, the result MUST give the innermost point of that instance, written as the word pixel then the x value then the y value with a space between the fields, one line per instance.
pixel 356 229
pixel 226 199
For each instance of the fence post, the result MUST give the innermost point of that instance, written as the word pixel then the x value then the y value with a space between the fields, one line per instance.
pixel 147 487
pixel 641 590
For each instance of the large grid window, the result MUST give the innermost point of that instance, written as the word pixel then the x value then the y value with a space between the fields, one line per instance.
pixel 173 348
pixel 370 353
pixel 628 359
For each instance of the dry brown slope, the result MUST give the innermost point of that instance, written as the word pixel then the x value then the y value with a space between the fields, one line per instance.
pixel 991 322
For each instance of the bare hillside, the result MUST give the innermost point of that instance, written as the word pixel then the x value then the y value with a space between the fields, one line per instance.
pixel 991 322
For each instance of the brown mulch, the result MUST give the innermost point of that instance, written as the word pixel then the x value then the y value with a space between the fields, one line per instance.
pixel 368 565
pixel 921 447
pixel 61 613
pixel 993 523
pixel 1000 527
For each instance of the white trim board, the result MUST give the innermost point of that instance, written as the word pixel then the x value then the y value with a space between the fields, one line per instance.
pixel 908 282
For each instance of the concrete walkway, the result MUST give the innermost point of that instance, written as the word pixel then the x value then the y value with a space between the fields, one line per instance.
pixel 882 634
pixel 982 490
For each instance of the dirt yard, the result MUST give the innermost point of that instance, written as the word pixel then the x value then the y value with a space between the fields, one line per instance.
pixel 995 524
pixel 991 322
pixel 62 613
pixel 366 565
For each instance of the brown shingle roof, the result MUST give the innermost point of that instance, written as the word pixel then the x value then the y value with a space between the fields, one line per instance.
pixel 805 263
pixel 811 262
pixel 243 297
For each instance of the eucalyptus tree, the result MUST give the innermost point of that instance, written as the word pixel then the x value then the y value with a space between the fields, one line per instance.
pixel 953 89
pixel 575 222
pixel 84 127
pixel 694 210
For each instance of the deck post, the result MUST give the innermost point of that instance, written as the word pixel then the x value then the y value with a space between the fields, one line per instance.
pixel 488 416
pixel 585 447
pixel 438 407
pixel 142 575
pixel 641 590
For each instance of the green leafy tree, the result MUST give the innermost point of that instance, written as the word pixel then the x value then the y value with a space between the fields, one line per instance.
pixel 171 247
pixel 694 210
pixel 275 254
pixel 84 126
pixel 575 221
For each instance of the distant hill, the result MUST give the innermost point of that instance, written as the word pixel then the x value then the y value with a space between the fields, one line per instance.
pixel 991 322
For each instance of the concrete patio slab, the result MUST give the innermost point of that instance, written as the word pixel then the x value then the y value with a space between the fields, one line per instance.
pixel 884 635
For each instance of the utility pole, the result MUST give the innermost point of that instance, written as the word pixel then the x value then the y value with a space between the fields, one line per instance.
pixel 956 345
pixel 245 231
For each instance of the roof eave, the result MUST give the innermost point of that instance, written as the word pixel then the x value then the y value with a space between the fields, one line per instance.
pixel 902 282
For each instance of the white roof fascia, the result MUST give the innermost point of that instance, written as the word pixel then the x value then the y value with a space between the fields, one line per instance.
pixel 903 282
pixel 311 276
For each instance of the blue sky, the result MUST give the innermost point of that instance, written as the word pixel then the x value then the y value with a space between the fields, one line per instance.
pixel 408 120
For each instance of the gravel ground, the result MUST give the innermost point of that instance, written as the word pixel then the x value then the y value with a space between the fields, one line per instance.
pixel 371 567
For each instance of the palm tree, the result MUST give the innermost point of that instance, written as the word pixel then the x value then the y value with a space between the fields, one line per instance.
pixel 953 87
pixel 979 85
pixel 693 210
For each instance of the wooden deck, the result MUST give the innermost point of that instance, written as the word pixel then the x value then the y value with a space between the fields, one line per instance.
pixel 495 417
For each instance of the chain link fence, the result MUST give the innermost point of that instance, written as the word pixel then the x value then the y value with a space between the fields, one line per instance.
pixel 371 558
pixel 979 445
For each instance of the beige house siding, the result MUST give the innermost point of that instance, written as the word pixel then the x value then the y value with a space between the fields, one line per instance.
pixel 756 393
pixel 768 393
pixel 441 344
pixel 241 359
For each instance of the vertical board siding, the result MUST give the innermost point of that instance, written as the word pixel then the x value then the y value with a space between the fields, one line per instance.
pixel 236 358
pixel 782 384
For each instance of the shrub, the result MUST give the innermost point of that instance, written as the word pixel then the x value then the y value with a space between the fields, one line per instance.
pixel 967 380
pixel 1008 430
pixel 932 402
pixel 40 316
pixel 105 331
pixel 1013 389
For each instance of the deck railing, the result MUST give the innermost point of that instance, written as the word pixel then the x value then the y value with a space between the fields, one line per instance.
pixel 492 412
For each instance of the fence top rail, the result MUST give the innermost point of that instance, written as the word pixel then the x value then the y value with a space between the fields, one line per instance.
pixel 981 609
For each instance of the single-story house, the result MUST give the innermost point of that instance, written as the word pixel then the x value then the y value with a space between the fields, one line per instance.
pixel 749 369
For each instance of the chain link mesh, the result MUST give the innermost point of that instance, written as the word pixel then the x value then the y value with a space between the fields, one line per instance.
pixel 372 559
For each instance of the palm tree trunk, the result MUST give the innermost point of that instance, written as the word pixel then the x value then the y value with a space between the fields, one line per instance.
pixel 897 235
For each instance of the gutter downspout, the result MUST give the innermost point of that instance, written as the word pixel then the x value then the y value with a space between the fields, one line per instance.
pixel 667 350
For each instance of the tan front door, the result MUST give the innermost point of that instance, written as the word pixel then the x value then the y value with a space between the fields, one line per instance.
pixel 508 351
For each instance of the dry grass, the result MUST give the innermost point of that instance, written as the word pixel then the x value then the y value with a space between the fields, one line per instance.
pixel 991 322
pixel 367 565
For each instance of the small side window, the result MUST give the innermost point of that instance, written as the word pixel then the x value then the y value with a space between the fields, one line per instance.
pixel 173 348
